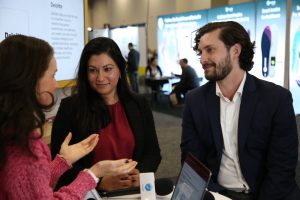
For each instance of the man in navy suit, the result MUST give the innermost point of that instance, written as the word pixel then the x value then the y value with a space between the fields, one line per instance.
pixel 242 128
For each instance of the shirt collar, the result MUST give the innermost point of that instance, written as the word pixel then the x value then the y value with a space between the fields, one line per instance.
pixel 239 90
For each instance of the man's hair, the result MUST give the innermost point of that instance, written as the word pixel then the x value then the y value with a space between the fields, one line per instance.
pixel 184 60
pixel 231 33
pixel 130 44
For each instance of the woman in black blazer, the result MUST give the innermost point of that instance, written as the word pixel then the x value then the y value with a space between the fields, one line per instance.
pixel 102 102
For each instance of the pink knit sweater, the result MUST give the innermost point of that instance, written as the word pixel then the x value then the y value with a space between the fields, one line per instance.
pixel 25 177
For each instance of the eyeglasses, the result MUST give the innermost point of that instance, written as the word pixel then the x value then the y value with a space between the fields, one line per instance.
pixel 106 69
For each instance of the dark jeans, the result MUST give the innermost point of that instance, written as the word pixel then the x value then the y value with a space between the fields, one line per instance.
pixel 180 95
pixel 133 78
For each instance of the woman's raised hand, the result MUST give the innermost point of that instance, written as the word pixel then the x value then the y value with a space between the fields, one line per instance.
pixel 72 153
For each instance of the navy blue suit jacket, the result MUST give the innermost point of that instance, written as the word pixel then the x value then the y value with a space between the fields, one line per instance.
pixel 267 136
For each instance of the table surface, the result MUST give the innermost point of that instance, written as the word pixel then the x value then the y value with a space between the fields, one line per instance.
pixel 168 197
pixel 162 78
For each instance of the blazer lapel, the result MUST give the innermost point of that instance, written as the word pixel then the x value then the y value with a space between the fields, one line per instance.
pixel 132 111
pixel 249 97
pixel 213 103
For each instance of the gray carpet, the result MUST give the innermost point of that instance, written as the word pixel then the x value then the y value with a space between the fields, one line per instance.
pixel 168 126
pixel 168 130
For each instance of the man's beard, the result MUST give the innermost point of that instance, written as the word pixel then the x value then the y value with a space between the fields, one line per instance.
pixel 220 71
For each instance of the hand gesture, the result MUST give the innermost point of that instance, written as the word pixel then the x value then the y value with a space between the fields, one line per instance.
pixel 109 183
pixel 135 177
pixel 131 179
pixel 72 153
pixel 113 167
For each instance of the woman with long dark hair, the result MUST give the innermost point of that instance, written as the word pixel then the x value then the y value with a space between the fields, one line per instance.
pixel 27 83
pixel 102 102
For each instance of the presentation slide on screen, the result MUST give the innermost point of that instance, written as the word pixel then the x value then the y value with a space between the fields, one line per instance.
pixel 134 34
pixel 175 40
pixel 270 41
pixel 59 22
pixel 294 75
pixel 241 13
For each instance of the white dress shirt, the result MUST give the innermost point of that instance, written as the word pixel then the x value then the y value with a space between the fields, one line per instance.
pixel 230 175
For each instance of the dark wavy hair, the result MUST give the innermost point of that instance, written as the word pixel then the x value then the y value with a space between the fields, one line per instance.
pixel 231 33
pixel 93 113
pixel 23 61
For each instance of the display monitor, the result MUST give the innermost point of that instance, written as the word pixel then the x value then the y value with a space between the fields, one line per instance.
pixel 175 40
pixel 294 75
pixel 59 22
pixel 242 13
pixel 192 181
pixel 270 41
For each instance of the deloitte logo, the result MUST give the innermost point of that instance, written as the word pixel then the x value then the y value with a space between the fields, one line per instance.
pixel 148 187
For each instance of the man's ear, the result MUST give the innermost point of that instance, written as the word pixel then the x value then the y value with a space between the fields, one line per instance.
pixel 236 49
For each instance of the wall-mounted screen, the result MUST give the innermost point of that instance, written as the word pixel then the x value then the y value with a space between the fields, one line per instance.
pixel 60 22
pixel 241 13
pixel 175 37
pixel 294 75
pixel 134 34
pixel 270 41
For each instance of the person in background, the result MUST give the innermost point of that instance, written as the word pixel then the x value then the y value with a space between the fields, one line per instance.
pixel 27 83
pixel 153 71
pixel 133 61
pixel 150 55
pixel 241 127
pixel 188 81
pixel 103 103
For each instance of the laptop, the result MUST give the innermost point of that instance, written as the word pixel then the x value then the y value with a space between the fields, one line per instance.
pixel 192 181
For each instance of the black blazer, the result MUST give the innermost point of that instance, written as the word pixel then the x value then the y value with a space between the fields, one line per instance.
pixel 267 136
pixel 139 115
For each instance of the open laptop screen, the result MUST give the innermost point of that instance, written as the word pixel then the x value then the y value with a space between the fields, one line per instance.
pixel 192 180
